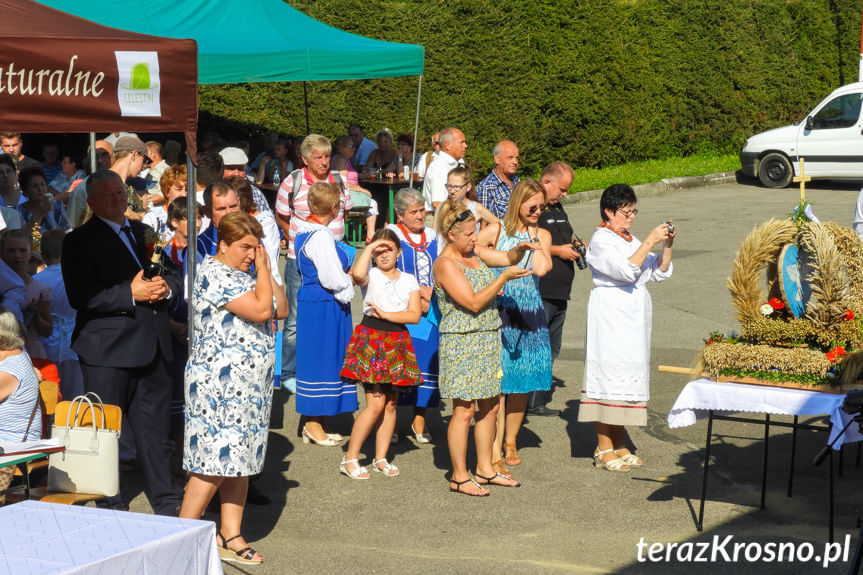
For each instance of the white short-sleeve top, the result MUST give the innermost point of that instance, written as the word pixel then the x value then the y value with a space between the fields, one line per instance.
pixel 388 295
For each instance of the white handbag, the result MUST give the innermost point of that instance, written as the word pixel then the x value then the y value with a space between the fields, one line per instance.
pixel 90 463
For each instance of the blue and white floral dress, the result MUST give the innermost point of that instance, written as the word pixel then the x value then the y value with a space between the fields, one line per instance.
pixel 228 379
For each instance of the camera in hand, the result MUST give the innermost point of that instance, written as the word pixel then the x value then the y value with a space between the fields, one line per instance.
pixel 154 267
pixel 579 248
pixel 670 226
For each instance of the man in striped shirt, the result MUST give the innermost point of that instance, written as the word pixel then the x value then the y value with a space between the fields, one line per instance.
pixel 291 206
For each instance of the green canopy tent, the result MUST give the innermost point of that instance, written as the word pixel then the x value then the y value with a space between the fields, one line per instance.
pixel 257 40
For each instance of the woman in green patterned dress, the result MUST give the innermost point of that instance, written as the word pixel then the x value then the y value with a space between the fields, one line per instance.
pixel 470 344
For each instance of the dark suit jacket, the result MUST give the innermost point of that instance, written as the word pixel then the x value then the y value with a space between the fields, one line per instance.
pixel 111 329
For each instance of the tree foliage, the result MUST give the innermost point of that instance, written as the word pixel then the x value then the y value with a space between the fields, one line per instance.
pixel 592 82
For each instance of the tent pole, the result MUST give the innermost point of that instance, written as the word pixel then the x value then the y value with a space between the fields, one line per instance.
pixel 306 102
pixel 92 152
pixel 416 131
pixel 192 249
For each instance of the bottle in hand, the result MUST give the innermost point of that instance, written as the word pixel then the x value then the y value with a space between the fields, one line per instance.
pixel 153 267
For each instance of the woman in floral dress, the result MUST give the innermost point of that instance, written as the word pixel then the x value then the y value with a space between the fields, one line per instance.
pixel 470 345
pixel 229 378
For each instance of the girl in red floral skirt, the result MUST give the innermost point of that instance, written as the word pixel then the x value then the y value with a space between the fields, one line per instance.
pixel 380 354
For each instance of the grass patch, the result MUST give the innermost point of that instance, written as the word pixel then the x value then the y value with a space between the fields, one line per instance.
pixel 652 171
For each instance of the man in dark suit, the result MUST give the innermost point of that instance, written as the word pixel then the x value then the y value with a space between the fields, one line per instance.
pixel 121 333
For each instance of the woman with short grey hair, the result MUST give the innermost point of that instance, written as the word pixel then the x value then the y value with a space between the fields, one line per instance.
pixel 20 417
pixel 420 248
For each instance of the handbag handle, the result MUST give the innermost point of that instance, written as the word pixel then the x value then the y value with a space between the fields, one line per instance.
pixel 80 403
pixel 77 403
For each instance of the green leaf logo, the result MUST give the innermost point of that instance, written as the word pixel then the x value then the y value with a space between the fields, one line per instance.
pixel 140 77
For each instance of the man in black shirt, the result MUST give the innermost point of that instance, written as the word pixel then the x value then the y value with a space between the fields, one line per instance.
pixel 555 286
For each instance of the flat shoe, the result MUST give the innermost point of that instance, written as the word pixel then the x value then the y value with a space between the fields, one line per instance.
pixel 389 470
pixel 615 464
pixel 423 437
pixel 511 457
pixel 490 480
pixel 481 493
pixel 358 471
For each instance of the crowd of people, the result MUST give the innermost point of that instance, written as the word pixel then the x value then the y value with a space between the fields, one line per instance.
pixel 464 297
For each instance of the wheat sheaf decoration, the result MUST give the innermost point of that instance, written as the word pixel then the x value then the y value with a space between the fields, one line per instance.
pixel 760 249
pixel 851 251
pixel 827 277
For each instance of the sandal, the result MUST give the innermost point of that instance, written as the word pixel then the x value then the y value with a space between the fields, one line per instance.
pixel 389 470
pixel 246 555
pixel 481 493
pixel 615 464
pixel 358 471
pixel 499 468
pixel 629 458
pixel 511 454
pixel 490 480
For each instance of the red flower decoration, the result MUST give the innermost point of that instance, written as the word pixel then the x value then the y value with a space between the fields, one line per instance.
pixel 835 353
pixel 849 315
pixel 776 303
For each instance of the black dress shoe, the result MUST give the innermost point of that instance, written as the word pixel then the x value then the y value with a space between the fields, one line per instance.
pixel 543 410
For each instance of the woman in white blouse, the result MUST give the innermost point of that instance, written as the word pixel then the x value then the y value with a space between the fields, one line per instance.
pixel 619 316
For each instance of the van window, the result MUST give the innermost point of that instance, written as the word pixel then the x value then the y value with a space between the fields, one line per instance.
pixel 841 112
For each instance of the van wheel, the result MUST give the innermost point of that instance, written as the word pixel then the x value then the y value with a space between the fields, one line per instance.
pixel 775 171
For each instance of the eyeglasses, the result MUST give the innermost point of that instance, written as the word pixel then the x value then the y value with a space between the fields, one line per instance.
pixel 452 187
pixel 460 218
pixel 533 209
pixel 629 213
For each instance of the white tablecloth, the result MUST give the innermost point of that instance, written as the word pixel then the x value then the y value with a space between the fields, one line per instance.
pixel 41 538
pixel 702 395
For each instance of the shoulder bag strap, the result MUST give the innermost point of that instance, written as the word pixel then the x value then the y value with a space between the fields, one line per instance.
pixel 32 415
pixel 297 179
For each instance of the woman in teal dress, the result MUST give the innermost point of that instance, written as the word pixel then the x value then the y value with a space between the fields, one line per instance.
pixel 526 356
pixel 470 344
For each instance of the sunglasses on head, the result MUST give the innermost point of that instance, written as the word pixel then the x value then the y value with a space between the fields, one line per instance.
pixel 460 218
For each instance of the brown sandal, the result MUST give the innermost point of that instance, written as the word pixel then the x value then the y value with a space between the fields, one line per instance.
pixel 511 454
pixel 499 467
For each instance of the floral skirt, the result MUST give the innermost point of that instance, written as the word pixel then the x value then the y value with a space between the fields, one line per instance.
pixel 378 356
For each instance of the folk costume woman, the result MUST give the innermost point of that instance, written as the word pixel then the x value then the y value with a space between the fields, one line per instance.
pixel 619 317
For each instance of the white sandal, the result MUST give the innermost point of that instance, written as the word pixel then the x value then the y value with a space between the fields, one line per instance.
pixel 388 469
pixel 358 471
pixel 630 458
pixel 615 464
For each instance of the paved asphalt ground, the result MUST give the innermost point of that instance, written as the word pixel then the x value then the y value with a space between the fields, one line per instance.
pixel 569 517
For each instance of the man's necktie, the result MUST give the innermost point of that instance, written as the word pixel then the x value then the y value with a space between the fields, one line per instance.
pixel 134 245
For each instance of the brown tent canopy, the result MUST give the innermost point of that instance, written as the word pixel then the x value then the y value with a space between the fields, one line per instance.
pixel 61 73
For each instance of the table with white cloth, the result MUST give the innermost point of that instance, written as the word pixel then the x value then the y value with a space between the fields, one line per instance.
pixel 48 538
pixel 712 400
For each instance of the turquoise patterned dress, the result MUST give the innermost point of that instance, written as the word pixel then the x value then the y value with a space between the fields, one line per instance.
pixel 526 358
pixel 469 344
pixel 229 379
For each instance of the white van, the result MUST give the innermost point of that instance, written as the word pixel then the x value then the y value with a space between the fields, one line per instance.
pixel 830 140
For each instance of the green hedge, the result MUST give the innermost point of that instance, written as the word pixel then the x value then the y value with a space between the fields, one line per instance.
pixel 595 83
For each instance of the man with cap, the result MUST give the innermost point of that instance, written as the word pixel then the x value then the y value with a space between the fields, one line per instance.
pixel 130 157
pixel 235 160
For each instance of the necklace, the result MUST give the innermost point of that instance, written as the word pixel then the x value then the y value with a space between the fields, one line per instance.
pixel 624 233
pixel 421 246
